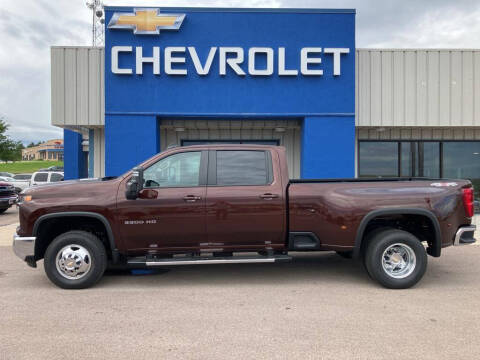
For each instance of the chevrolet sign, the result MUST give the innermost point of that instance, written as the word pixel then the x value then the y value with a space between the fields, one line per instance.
pixel 228 57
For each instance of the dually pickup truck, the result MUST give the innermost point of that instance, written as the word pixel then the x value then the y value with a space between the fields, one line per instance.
pixel 220 204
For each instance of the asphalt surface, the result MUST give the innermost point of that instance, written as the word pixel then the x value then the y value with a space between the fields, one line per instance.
pixel 319 306
pixel 10 216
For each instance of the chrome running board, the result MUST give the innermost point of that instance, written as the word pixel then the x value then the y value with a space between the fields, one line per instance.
pixel 208 260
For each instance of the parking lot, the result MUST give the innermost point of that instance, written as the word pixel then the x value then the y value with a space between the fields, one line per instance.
pixel 319 306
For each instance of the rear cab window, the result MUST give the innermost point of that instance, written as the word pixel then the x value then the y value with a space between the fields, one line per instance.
pixel 42 177
pixel 54 177
pixel 241 168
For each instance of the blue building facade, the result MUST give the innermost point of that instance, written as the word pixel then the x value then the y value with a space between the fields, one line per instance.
pixel 202 64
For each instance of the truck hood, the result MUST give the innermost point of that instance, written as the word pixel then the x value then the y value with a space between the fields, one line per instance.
pixel 80 187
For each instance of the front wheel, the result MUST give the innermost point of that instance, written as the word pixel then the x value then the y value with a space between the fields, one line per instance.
pixel 75 260
pixel 395 258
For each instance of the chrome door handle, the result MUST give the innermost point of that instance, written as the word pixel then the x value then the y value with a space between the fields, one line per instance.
pixel 191 198
pixel 268 196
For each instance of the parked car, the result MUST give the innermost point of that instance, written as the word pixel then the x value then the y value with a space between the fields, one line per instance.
pixel 45 177
pixel 8 180
pixel 4 173
pixel 21 181
pixel 8 197
pixel 53 168
pixel 210 204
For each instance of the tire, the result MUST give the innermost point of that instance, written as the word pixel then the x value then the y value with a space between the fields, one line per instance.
pixel 395 258
pixel 3 210
pixel 79 248
pixel 345 254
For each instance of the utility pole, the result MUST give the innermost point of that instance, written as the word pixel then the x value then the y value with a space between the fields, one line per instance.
pixel 98 21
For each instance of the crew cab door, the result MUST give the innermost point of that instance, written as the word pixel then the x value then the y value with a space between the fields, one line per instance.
pixel 169 214
pixel 245 201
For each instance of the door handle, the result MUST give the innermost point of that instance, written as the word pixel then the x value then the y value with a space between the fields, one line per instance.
pixel 191 198
pixel 268 196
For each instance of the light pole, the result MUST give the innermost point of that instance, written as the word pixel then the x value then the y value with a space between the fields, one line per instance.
pixel 98 21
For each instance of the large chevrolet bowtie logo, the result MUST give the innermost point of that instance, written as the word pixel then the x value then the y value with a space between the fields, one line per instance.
pixel 146 21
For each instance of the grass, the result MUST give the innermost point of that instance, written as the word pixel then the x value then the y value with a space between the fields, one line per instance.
pixel 20 167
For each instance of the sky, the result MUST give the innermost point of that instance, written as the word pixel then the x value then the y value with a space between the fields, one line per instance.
pixel 29 27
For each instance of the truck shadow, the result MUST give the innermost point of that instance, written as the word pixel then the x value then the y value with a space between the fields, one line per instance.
pixel 313 267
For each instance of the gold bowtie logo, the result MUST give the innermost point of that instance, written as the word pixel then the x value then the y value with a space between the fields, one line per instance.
pixel 146 21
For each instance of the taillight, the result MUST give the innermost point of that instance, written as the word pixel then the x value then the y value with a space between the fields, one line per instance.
pixel 468 201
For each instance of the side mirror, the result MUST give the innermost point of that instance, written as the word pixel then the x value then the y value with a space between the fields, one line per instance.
pixel 135 184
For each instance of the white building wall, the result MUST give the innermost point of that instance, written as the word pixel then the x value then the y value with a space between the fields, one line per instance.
pixel 77 80
pixel 421 87
pixel 99 152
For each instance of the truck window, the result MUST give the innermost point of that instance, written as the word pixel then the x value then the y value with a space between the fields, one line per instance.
pixel 177 170
pixel 41 177
pixel 54 177
pixel 243 167
pixel 22 177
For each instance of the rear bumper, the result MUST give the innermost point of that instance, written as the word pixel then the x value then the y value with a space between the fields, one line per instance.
pixel 24 248
pixel 465 235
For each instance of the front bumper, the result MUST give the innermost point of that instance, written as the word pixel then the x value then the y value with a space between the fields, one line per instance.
pixel 7 201
pixel 24 248
pixel 465 235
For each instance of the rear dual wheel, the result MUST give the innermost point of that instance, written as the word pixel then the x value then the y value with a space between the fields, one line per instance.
pixel 395 258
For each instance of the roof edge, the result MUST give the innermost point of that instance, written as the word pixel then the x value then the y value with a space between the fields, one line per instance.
pixel 239 9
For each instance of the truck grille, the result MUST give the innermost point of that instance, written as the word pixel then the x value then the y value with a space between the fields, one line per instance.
pixel 6 191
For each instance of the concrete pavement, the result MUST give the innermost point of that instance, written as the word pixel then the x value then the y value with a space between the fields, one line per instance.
pixel 8 225
pixel 319 306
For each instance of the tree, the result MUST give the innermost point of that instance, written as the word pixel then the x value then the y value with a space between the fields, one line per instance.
pixel 10 150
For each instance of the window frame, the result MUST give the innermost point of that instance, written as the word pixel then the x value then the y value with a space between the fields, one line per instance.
pixel 399 141
pixel 212 168
pixel 202 173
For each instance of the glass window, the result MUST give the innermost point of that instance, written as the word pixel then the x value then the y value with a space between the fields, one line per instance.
pixel 22 177
pixel 429 159
pixel 406 156
pixel 54 177
pixel 178 170
pixel 41 177
pixel 241 167
pixel 461 160
pixel 379 158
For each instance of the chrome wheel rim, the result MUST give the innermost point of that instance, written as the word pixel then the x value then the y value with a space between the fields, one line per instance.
pixel 73 262
pixel 399 260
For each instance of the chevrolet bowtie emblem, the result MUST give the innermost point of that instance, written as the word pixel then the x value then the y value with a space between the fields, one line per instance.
pixel 146 21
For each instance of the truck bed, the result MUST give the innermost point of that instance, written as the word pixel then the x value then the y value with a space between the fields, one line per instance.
pixel 332 210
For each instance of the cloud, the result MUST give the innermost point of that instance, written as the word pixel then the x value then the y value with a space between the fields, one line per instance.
pixel 30 27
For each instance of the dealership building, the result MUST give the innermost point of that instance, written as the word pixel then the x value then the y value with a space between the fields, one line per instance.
pixel 291 77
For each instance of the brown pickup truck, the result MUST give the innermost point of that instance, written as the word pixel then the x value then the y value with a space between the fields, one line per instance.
pixel 220 204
